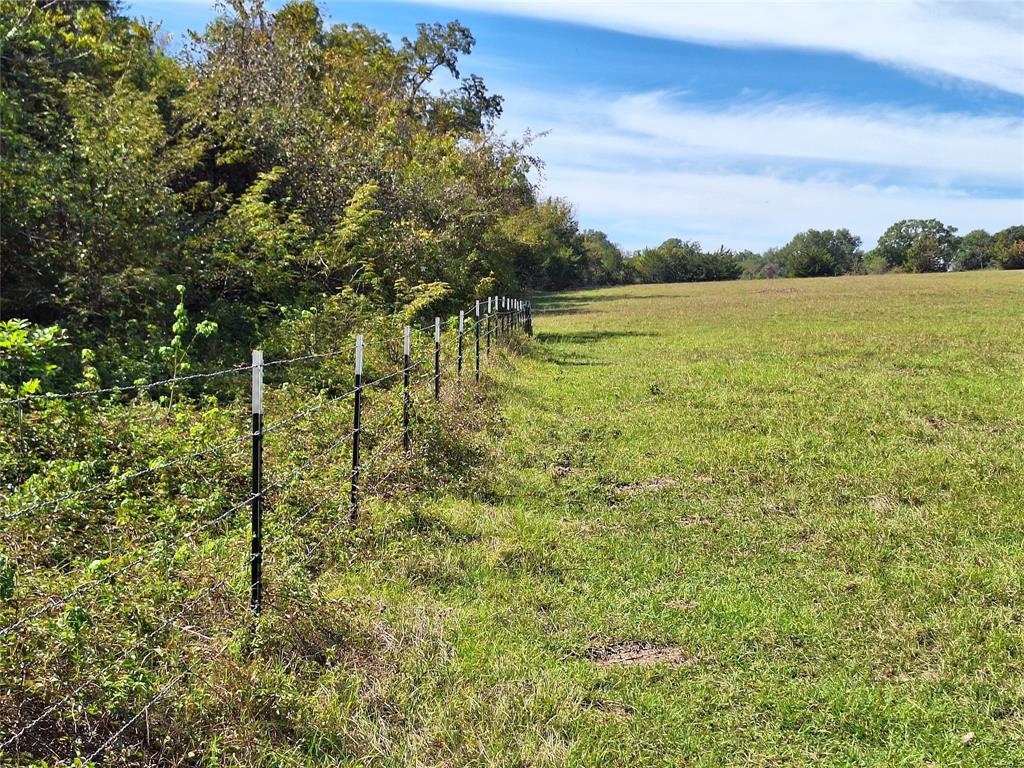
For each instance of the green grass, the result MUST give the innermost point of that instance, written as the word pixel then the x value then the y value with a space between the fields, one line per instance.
pixel 811 492
pixel 802 500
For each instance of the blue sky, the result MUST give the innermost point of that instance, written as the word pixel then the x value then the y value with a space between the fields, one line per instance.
pixel 742 123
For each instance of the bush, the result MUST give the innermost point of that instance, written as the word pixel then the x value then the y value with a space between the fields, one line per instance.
pixel 812 262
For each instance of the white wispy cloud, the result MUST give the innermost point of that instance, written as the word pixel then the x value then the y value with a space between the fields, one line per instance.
pixel 743 210
pixel 944 147
pixel 975 41
pixel 651 165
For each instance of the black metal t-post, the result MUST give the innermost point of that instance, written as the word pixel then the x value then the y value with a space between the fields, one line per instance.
pixel 462 331
pixel 489 321
pixel 406 397
pixel 357 428
pixel 476 327
pixel 256 523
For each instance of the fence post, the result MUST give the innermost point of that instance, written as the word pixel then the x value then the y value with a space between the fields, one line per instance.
pixel 256 524
pixel 488 327
pixel 406 397
pixel 529 318
pixel 462 330
pixel 476 327
pixel 357 428
pixel 437 359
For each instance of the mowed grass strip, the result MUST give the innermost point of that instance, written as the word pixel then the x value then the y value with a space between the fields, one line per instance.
pixel 756 523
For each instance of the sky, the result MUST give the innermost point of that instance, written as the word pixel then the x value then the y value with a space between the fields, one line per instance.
pixel 742 123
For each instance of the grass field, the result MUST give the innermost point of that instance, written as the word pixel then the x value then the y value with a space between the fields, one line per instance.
pixel 754 523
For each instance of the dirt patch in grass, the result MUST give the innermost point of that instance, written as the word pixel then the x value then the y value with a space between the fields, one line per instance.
pixel 645 486
pixel 637 653
pixel 612 709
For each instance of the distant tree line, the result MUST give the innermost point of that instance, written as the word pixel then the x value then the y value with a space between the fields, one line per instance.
pixel 910 245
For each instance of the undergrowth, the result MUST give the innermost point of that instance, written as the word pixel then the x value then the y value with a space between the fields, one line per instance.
pixel 129 633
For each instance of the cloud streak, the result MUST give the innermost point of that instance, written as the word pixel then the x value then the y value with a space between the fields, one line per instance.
pixel 942 147
pixel 756 211
pixel 651 166
pixel 978 42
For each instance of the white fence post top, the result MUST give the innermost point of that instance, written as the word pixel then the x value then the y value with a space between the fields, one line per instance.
pixel 437 329
pixel 257 381
pixel 359 355
pixel 407 340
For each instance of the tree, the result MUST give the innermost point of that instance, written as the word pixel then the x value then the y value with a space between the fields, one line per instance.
pixel 605 259
pixel 895 243
pixel 973 251
pixel 925 255
pixel 819 253
pixel 541 247
pixel 676 261
pixel 279 162
pixel 812 261
pixel 1008 248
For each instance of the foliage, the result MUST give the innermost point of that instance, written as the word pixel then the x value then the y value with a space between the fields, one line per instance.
pixel 676 261
pixel 820 253
pixel 26 354
pixel 1008 248
pixel 812 261
pixel 767 265
pixel 176 353
pixel 276 163
pixel 973 251
pixel 895 244
pixel 925 255
pixel 606 262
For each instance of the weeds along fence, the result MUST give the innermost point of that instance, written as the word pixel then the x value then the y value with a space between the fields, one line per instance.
pixel 119 574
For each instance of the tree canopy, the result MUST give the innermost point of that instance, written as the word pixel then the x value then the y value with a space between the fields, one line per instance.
pixel 281 164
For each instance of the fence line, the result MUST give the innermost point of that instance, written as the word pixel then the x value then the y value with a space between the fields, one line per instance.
pixel 501 317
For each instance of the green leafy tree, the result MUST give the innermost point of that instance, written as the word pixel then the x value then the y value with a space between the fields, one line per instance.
pixel 925 255
pixel 605 260
pixel 677 261
pixel 819 253
pixel 895 243
pixel 1007 248
pixel 812 261
pixel 974 251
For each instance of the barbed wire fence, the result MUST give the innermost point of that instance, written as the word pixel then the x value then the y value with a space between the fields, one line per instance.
pixel 88 707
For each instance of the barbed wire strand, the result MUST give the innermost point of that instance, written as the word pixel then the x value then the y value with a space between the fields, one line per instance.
pixel 372 488
pixel 124 478
pixel 189 536
pixel 89 586
pixel 160 694
pixel 124 388
pixel 144 640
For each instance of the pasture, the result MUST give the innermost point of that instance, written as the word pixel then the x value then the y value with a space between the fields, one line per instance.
pixel 749 523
